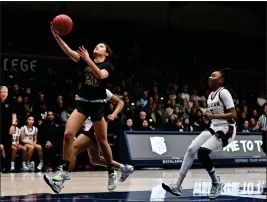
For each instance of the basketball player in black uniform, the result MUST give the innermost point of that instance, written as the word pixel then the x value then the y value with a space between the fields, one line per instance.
pixel 87 140
pixel 90 102
pixel 221 111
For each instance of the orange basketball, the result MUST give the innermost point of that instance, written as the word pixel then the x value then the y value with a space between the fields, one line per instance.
pixel 62 24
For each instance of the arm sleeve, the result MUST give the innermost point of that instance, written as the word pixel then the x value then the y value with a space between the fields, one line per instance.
pixel 227 99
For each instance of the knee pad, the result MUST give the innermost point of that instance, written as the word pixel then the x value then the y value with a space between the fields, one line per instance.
pixel 203 154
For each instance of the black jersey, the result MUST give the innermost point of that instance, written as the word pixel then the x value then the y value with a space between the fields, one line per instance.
pixel 93 88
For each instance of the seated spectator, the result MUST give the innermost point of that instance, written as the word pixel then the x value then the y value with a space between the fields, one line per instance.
pixel 139 121
pixel 191 101
pixel 144 100
pixel 171 124
pixel 196 105
pixel 179 100
pixel 179 126
pixel 16 147
pixel 185 94
pixel 27 105
pixel 52 136
pixel 156 97
pixel 29 139
pixel 137 110
pixel 118 93
pixel 194 95
pixel 203 106
pixel 255 114
pixel 177 112
pixel 252 125
pixel 150 104
pixel 245 128
pixel 128 113
pixel 146 126
pixel 129 125
pixel 15 92
pixel 187 126
pixel 28 94
pixel 185 109
pixel 243 106
pixel 20 110
pixel 40 101
pixel 41 112
pixel 58 107
pixel 240 120
pixel 172 105
pixel 198 120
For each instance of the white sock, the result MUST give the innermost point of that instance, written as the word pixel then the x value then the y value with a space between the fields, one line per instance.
pixel 213 176
pixel 23 164
pixel 12 164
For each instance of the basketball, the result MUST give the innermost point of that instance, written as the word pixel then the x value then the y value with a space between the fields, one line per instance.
pixel 62 24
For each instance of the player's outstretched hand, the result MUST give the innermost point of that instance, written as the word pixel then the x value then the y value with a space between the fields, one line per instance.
pixel 83 53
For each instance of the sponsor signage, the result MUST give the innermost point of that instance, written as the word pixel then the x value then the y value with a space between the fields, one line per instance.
pixel 167 148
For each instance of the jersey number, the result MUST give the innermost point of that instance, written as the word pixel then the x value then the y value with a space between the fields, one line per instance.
pixel 212 111
pixel 90 80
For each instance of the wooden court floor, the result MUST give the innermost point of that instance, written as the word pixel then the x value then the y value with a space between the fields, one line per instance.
pixel 242 184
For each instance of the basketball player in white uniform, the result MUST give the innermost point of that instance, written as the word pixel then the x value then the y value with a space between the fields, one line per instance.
pixel 15 148
pixel 87 140
pixel 29 139
pixel 221 111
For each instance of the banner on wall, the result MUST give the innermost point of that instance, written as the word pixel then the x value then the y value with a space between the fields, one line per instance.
pixel 159 149
pixel 26 63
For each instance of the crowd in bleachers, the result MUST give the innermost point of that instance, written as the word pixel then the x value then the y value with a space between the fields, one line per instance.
pixel 178 108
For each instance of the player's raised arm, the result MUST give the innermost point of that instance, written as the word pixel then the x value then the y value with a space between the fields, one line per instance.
pixel 71 53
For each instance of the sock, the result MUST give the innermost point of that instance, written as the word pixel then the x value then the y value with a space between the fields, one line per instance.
pixel 12 164
pixel 23 164
pixel 186 165
pixel 213 176
pixel 65 165
pixel 110 171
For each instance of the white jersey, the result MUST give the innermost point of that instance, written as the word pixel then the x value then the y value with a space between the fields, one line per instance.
pixel 15 136
pixel 218 101
pixel 29 133
pixel 88 123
